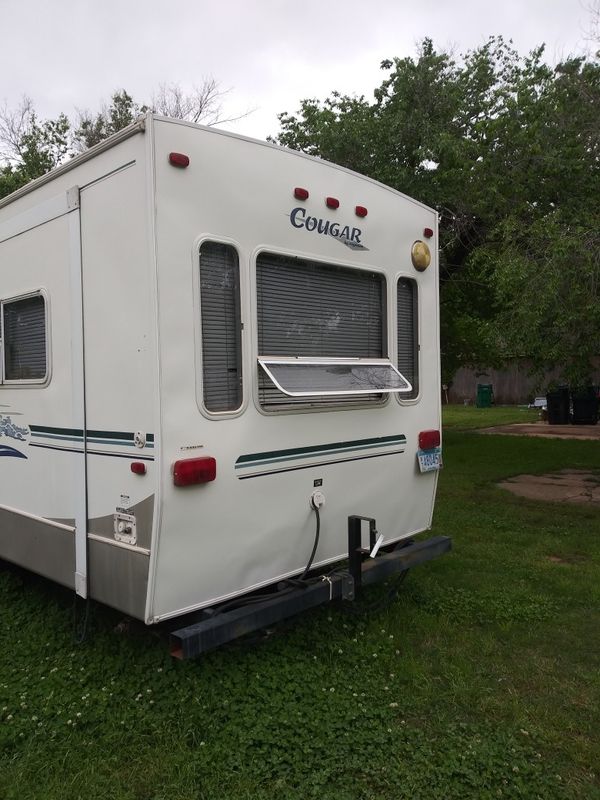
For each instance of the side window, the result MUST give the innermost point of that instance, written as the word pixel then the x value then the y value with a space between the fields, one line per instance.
pixel 24 350
pixel 408 343
pixel 221 327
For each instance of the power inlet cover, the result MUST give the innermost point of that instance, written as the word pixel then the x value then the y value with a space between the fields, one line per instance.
pixel 125 528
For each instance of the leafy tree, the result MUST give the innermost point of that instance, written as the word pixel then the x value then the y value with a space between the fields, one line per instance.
pixel 30 147
pixel 548 285
pixel 92 129
pixel 506 148
pixel 10 180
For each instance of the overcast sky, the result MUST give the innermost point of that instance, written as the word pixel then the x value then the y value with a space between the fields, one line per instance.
pixel 68 54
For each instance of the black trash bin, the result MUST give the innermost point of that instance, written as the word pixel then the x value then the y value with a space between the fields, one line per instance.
pixel 558 403
pixel 585 406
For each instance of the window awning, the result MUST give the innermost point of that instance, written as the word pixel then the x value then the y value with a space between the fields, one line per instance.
pixel 305 377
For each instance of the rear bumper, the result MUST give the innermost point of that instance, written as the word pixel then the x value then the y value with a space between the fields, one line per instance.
pixel 216 628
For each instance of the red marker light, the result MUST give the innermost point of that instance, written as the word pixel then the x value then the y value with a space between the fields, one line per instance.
pixel 429 439
pixel 427 233
pixel 190 471
pixel 331 202
pixel 138 467
pixel 179 160
pixel 300 194
pixel 361 211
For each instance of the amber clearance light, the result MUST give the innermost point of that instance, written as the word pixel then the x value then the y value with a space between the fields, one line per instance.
pixel 421 256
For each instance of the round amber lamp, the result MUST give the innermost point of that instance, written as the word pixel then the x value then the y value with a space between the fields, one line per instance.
pixel 421 256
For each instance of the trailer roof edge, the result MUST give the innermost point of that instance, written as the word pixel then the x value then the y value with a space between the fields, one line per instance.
pixel 138 126
pixel 299 153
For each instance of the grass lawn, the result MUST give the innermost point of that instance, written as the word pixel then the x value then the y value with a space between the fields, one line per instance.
pixel 467 417
pixel 482 680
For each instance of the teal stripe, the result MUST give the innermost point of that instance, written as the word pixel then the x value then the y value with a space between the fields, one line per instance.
pixel 332 451
pixel 57 436
pixel 274 456
pixel 96 437
pixel 67 432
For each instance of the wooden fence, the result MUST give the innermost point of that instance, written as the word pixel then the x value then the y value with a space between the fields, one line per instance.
pixel 512 386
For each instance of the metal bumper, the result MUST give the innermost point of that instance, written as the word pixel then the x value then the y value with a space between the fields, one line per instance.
pixel 217 628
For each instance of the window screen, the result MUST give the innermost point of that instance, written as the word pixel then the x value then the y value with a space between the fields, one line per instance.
pixel 305 378
pixel 24 331
pixel 221 327
pixel 408 345
pixel 310 309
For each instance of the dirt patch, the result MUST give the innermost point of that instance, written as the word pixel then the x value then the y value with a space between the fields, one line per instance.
pixel 591 432
pixel 567 559
pixel 566 486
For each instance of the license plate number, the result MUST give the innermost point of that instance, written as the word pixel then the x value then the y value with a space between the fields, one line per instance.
pixel 430 460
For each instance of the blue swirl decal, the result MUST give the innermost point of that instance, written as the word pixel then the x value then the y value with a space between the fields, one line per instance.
pixel 5 450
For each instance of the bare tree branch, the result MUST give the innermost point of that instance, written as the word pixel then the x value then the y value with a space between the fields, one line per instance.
pixel 15 125
pixel 203 104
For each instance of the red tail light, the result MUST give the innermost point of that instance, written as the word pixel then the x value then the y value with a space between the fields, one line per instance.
pixel 429 439
pixel 138 467
pixel 361 211
pixel 300 194
pixel 332 202
pixel 190 471
pixel 179 160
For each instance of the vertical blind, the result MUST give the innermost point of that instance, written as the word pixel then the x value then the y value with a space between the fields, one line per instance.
pixel 408 345
pixel 310 309
pixel 24 326
pixel 221 327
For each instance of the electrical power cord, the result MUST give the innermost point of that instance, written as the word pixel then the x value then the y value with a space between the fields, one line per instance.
pixel 292 583
pixel 315 545
pixel 378 605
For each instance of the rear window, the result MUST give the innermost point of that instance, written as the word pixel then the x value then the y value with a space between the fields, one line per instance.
pixel 316 324
pixel 221 327
pixel 408 340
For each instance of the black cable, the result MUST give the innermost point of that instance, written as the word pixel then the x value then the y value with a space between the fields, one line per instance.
pixel 378 605
pixel 294 583
pixel 240 602
pixel 315 545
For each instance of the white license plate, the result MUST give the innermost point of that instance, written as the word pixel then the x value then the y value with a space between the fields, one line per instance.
pixel 430 460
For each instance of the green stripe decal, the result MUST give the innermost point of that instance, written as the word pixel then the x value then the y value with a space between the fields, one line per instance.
pixel 292 454
pixel 68 433
pixel 76 435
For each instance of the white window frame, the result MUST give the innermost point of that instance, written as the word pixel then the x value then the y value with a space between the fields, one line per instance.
pixel 266 362
pixel 198 335
pixel 417 332
pixel 24 382
pixel 344 403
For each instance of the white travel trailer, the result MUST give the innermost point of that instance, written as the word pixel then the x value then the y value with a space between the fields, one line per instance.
pixel 210 346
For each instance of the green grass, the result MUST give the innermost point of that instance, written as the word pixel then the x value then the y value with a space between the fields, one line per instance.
pixel 468 417
pixel 482 680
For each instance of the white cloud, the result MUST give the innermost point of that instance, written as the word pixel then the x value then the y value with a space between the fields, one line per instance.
pixel 69 54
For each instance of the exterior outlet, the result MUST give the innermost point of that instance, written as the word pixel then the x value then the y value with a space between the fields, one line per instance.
pixel 317 499
pixel 125 528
